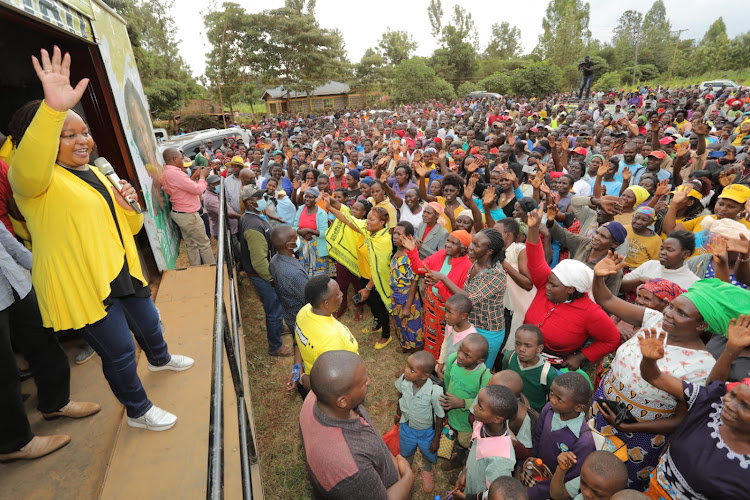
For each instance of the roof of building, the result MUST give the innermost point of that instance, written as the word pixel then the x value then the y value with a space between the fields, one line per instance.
pixel 329 88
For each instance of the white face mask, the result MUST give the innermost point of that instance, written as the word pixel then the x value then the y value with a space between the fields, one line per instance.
pixel 262 203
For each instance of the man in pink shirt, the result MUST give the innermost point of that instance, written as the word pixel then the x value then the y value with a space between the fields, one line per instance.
pixel 185 196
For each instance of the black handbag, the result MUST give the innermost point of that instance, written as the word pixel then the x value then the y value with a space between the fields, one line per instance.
pixel 620 409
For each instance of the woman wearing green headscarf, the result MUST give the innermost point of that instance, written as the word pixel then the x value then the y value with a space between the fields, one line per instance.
pixel 708 306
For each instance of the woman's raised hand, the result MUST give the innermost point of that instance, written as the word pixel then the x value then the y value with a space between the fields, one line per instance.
pixel 738 334
pixel 55 77
pixel 534 217
pixel 609 265
pixel 408 243
pixel 652 343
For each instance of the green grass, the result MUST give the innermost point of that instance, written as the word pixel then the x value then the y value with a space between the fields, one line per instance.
pixel 244 108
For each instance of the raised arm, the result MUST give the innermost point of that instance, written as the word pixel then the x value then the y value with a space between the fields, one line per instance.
pixel 329 202
pixel 652 348
pixel 34 161
pixel 738 337
pixel 421 174
pixel 611 304
pixel 396 199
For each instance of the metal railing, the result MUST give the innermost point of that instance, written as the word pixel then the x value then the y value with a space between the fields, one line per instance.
pixel 226 338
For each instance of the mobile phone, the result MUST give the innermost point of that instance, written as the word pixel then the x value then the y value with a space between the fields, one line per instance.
pixel 529 169
pixel 357 299
pixel 492 156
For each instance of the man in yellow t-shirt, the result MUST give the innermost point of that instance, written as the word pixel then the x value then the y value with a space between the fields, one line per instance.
pixel 317 331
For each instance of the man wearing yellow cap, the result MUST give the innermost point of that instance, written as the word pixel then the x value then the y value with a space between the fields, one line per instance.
pixel 233 184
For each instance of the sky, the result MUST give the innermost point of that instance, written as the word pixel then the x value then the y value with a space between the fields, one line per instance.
pixel 361 25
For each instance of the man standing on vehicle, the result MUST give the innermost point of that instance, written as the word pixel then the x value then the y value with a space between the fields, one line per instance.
pixel 587 65
pixel 184 194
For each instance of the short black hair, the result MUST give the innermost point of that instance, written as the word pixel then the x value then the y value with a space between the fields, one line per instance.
pixel 686 239
pixel 606 465
pixel 424 360
pixel 478 341
pixel 577 385
pixel 508 488
pixel 534 329
pixel 316 289
pixel 454 180
pixel 408 227
pixel 511 225
pixel 342 191
pixel 461 302
pixel 503 402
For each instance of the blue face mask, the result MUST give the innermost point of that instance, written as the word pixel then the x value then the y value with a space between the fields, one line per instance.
pixel 262 203
pixel 217 189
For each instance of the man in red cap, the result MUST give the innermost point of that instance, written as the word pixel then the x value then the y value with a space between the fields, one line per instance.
pixel 654 162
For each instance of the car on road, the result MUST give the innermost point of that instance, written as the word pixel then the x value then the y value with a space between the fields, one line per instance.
pixel 482 94
pixel 190 143
pixel 717 84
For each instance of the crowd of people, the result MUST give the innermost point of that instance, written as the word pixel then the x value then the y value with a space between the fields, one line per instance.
pixel 567 282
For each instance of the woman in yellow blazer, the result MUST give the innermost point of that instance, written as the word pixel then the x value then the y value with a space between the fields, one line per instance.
pixel 86 270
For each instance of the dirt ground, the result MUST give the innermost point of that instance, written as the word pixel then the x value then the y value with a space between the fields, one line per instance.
pixel 277 411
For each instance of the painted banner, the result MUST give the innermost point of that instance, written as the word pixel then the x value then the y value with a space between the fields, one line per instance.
pixel 72 16
pixel 135 118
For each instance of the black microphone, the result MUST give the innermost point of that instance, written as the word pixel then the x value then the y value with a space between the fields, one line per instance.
pixel 106 169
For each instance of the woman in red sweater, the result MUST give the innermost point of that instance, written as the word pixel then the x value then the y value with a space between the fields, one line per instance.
pixel 562 308
pixel 450 264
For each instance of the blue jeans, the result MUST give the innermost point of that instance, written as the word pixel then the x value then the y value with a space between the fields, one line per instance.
pixel 272 308
pixel 111 339
pixel 586 83
pixel 411 439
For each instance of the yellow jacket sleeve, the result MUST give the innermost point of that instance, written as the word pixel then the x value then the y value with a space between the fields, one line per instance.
pixel 36 149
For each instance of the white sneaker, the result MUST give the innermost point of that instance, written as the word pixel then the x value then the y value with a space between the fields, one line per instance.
pixel 154 419
pixel 177 363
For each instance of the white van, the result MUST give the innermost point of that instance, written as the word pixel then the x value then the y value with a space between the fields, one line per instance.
pixel 190 143
pixel 717 84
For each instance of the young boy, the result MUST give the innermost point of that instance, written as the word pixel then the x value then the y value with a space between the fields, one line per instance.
pixel 457 310
pixel 523 422
pixel 537 374
pixel 491 455
pixel 465 375
pixel 562 427
pixel 419 413
pixel 507 488
pixel 602 475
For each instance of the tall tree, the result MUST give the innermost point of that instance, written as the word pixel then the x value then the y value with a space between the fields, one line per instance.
pixel 657 35
pixel 415 81
pixel 566 32
pixel 712 51
pixel 300 5
pixel 396 46
pixel 435 14
pixel 166 77
pixel 627 34
pixel 505 42
pixel 464 25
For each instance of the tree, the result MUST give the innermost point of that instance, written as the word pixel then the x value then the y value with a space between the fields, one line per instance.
pixel 627 34
pixel 151 31
pixel 464 25
pixel 505 42
pixel 372 72
pixel 497 82
pixel 456 60
pixel 435 14
pixel 536 80
pixel 608 81
pixel 466 88
pixel 415 81
pixel 566 32
pixel 712 51
pixel 396 46
pixel 739 51
pixel 301 5
pixel 656 35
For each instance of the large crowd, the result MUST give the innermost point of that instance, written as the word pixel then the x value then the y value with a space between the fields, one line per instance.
pixel 566 279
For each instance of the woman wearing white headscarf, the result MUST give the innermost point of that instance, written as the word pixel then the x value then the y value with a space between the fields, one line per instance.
pixel 563 308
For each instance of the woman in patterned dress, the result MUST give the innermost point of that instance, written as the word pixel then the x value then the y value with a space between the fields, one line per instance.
pixel 406 306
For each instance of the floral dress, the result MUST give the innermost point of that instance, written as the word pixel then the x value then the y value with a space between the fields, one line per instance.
pixel 623 382
pixel 409 328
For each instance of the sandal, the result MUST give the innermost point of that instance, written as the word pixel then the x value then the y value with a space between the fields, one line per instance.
pixel 283 352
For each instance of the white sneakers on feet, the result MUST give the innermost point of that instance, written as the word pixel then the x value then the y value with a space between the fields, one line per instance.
pixel 154 419
pixel 177 363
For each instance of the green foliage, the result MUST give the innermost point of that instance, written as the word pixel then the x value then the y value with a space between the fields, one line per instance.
pixel 435 14
pixel 499 83
pixel 566 32
pixel 505 42
pixel 536 80
pixel 468 87
pixel 396 46
pixel 456 61
pixel 608 81
pixel 644 72
pixel 199 122
pixel 601 66
pixel 415 81
pixel 166 78
pixel 492 65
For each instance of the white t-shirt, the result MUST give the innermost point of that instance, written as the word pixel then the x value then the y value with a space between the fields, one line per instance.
pixel 683 277
pixel 405 214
